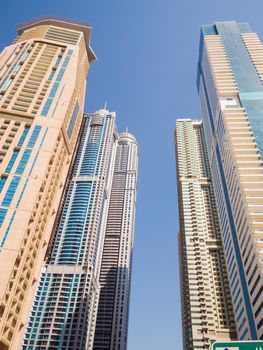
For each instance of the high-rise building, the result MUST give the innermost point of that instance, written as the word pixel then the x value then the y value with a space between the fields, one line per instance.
pixel 207 312
pixel 230 86
pixel 94 226
pixel 42 89
pixel 115 275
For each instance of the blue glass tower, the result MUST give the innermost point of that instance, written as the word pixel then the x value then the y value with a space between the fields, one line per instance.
pixel 230 87
pixel 66 297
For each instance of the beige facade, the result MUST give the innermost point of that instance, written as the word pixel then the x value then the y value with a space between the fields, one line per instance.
pixel 231 95
pixel 42 90
pixel 207 311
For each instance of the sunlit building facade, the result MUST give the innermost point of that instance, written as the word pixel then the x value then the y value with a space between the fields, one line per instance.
pixel 66 296
pixel 207 312
pixel 230 86
pixel 42 89
pixel 94 226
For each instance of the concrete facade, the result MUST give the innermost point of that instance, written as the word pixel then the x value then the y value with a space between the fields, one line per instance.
pixel 42 89
pixel 207 312
pixel 231 95
pixel 82 298
pixel 66 300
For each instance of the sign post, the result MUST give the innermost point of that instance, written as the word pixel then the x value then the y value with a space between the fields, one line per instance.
pixel 239 345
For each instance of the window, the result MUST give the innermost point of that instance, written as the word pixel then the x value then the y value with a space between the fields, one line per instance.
pixel 56 84
pixel 2 182
pixel 2 215
pixel 11 191
pixel 73 119
pixel 11 162
pixel 23 162
pixel 34 136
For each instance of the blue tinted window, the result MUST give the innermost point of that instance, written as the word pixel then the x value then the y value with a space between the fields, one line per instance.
pixel 23 136
pixel 56 84
pixel 2 215
pixel 246 75
pixel 51 74
pixel 73 119
pixel 54 90
pixel 11 161
pixel 34 136
pixel 2 182
pixel 11 191
pixel 23 161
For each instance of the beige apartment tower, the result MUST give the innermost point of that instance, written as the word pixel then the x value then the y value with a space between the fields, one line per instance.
pixel 230 87
pixel 42 90
pixel 207 311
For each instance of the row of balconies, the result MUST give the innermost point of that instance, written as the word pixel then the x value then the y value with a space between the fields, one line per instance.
pixel 236 113
pixel 255 50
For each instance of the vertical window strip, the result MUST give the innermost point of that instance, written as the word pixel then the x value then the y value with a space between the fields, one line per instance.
pixel 61 92
pixel 73 230
pixel 32 141
pixel 18 66
pixel 53 72
pixel 31 169
pixel 102 144
pixel 73 119
pixel 15 68
pixel 55 86
pixel 11 161
pixel 7 83
pixel 58 61
pixel 11 191
pixel 51 76
pixel 23 136
pixel 23 161
pixel 7 59
pixel 8 229
pixel 2 182
pixel 3 212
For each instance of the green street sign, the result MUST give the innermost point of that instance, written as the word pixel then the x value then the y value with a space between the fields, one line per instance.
pixel 239 345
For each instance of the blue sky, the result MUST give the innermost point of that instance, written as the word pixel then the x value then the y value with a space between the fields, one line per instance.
pixel 147 55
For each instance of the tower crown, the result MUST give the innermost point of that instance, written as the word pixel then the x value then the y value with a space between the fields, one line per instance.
pixel 85 28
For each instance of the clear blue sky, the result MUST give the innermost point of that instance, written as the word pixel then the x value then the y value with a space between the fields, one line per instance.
pixel 147 55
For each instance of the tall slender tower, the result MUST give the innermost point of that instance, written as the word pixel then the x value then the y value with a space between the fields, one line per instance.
pixel 42 89
pixel 115 275
pixel 94 225
pixel 230 86
pixel 65 301
pixel 207 311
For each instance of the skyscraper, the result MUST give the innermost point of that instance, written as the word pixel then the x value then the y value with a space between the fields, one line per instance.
pixel 207 311
pixel 42 89
pixel 112 317
pixel 231 93
pixel 99 199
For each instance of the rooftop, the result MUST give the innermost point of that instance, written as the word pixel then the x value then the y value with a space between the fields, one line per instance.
pixel 85 28
pixel 127 136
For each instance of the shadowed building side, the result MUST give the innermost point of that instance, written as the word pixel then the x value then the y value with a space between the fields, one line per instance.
pixel 111 330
